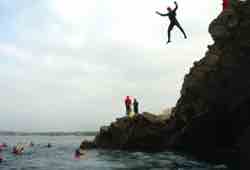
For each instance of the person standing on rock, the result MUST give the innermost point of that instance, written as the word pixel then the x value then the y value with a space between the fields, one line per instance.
pixel 173 21
pixel 230 3
pixel 128 105
pixel 136 106
pixel 233 3
pixel 225 4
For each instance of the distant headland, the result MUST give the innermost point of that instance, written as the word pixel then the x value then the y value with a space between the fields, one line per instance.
pixel 77 133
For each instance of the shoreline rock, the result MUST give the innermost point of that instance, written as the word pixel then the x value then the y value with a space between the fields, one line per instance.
pixel 141 132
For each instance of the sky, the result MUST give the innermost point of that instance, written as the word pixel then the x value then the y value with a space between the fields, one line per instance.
pixel 66 65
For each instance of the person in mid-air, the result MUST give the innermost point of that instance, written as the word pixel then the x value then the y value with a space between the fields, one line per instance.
pixel 173 21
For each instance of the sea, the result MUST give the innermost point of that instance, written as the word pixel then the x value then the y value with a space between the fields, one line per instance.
pixel 61 157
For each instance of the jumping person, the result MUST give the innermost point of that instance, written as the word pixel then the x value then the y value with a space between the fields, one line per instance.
pixel 128 105
pixel 173 21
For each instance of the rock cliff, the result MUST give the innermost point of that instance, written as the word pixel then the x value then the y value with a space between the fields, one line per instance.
pixel 214 109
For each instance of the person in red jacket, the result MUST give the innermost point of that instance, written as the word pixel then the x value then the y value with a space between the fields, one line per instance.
pixel 225 4
pixel 128 105
pixel 231 3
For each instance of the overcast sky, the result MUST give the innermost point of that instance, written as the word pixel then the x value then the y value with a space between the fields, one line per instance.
pixel 68 64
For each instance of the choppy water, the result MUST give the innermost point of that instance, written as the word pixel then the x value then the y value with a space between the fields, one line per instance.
pixel 60 157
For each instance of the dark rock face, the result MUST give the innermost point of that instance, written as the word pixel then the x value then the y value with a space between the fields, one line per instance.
pixel 245 149
pixel 212 115
pixel 214 107
pixel 87 145
pixel 141 132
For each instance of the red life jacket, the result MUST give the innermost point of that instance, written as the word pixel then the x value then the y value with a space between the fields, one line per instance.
pixel 128 101
pixel 225 4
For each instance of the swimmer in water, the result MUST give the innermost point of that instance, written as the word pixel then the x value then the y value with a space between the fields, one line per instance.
pixel 79 152
pixel 2 146
pixel 18 149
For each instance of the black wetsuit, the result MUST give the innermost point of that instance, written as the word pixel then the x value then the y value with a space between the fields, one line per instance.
pixel 173 22
pixel 135 106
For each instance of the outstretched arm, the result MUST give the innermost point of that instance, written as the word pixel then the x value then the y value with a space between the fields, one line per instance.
pixel 161 14
pixel 176 6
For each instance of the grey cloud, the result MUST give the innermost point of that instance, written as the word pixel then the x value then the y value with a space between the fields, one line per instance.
pixel 50 82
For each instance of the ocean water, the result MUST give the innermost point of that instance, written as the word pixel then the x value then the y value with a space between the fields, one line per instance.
pixel 60 157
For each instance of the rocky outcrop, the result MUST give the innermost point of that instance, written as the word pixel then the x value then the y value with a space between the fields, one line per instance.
pixel 141 132
pixel 212 117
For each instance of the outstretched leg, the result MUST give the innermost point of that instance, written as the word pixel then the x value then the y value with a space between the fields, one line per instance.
pixel 183 32
pixel 170 27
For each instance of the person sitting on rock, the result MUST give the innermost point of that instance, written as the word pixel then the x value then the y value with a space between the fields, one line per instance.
pixel 128 105
pixel 136 106
pixel 173 21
